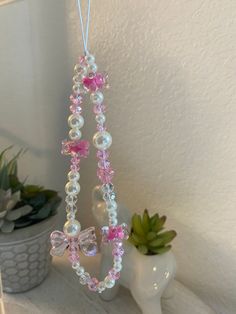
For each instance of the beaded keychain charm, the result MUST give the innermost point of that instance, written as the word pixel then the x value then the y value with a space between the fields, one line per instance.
pixel 87 80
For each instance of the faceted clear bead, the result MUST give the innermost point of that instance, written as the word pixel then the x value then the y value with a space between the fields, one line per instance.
pixel 102 140
pixel 71 200
pixel 80 271
pixel 108 187
pixel 72 228
pixel 100 118
pixel 92 68
pixel 109 282
pixel 101 286
pixel 84 279
pixel 90 59
pixel 72 188
pixel 75 134
pixel 96 98
pixel 117 267
pixel 117 259
pixel 75 265
pixel 70 216
pixel 113 221
pixel 76 121
pixel 80 69
pixel 111 206
pixel 73 176
pixel 112 215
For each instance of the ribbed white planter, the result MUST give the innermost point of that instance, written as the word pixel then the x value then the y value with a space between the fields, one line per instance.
pixel 24 256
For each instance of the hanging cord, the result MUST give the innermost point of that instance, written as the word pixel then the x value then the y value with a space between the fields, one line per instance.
pixel 86 33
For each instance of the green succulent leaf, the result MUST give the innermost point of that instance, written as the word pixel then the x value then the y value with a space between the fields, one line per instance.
pixel 137 225
pixel 158 226
pixel 139 239
pixel 161 250
pixel 151 236
pixel 4 179
pixel 143 249
pixel 167 236
pixel 146 221
pixel 156 242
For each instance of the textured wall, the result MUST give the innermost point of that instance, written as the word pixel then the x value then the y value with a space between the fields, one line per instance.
pixel 171 113
pixel 173 119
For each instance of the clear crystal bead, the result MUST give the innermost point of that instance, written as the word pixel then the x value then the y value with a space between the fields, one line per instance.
pixel 84 279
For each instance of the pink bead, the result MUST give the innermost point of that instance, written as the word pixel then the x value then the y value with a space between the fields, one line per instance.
pixel 79 148
pixel 94 82
pixel 93 284
pixel 75 108
pixel 105 175
pixel 73 258
pixel 104 164
pixel 99 108
pixel 118 251
pixel 102 154
pixel 114 275
pixel 101 128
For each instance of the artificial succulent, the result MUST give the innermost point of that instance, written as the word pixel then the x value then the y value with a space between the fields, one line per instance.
pixel 147 234
pixel 22 205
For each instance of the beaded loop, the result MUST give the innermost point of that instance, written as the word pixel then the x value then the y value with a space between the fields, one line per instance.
pixel 87 80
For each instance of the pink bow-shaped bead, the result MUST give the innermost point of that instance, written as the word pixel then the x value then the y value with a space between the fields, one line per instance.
pixel 94 82
pixel 79 148
pixel 116 233
pixel 86 241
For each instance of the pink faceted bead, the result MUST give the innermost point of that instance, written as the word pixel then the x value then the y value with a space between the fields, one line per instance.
pixel 73 258
pixel 118 251
pixel 104 164
pixel 94 82
pixel 105 175
pixel 93 284
pixel 114 275
pixel 102 154
pixel 99 108
pixel 79 148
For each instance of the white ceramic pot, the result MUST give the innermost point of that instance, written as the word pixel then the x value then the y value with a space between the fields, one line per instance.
pixel 24 256
pixel 147 277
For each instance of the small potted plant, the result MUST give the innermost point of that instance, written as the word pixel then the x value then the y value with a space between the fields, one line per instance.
pixel 27 216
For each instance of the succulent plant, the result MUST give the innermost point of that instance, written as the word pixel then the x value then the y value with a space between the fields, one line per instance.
pixel 22 205
pixel 147 234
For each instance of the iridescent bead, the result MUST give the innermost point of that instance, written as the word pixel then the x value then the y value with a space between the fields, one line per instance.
pixel 80 270
pixel 100 118
pixel 70 216
pixel 102 140
pixel 93 284
pixel 113 274
pixel 70 199
pixel 109 282
pixel 112 215
pixel 71 208
pixel 96 98
pixel 73 176
pixel 109 196
pixel 117 267
pixel 101 286
pixel 72 228
pixel 117 259
pixel 84 279
pixel 80 69
pixel 75 265
pixel 108 187
pixel 92 68
pixel 76 121
pixel 90 59
pixel 118 251
pixel 111 206
pixel 72 188
pixel 75 134
pixel 113 221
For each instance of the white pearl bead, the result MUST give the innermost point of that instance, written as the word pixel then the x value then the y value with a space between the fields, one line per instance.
pixel 72 188
pixel 100 118
pixel 96 98
pixel 109 282
pixel 102 140
pixel 76 121
pixel 90 59
pixel 73 176
pixel 72 228
pixel 112 206
pixel 75 134
pixel 117 267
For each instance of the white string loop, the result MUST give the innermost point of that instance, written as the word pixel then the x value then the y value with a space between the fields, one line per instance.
pixel 86 32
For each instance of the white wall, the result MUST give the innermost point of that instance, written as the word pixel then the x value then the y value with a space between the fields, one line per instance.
pixel 171 113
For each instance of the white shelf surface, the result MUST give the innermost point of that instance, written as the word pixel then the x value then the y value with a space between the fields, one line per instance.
pixel 61 293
